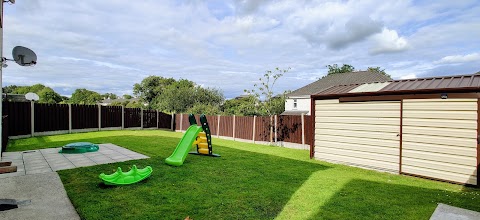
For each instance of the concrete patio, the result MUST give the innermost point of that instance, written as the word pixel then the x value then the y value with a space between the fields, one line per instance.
pixel 49 160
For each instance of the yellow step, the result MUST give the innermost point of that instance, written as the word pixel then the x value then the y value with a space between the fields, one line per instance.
pixel 203 150
pixel 202 134
pixel 203 145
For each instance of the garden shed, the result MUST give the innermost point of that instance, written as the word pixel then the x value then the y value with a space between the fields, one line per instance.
pixel 423 127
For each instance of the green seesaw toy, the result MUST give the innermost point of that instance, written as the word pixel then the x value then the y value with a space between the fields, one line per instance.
pixel 124 178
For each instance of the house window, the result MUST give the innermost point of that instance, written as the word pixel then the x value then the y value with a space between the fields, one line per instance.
pixel 295 103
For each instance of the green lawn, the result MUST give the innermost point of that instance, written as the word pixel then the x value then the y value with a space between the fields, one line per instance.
pixel 248 182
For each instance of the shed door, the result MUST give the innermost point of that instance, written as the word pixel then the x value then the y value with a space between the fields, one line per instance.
pixel 363 134
pixel 440 139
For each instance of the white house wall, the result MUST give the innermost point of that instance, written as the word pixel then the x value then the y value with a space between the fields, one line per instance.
pixel 303 104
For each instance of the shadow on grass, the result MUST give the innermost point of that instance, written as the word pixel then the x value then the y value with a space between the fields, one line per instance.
pixel 238 185
pixel 362 199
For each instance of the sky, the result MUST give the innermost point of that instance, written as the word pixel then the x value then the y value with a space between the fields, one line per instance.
pixel 109 45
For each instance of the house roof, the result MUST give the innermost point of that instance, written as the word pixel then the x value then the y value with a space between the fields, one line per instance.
pixel 458 83
pixel 339 79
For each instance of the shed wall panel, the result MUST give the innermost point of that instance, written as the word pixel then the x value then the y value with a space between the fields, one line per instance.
pixel 358 133
pixel 440 139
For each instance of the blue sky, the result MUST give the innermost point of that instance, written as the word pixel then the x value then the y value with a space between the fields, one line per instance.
pixel 109 45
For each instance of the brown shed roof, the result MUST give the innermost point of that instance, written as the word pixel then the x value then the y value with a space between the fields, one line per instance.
pixel 339 79
pixel 459 83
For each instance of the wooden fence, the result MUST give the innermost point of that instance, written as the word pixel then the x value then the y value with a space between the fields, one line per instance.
pixel 25 119
pixel 295 129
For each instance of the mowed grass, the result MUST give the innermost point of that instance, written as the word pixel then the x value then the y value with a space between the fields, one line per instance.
pixel 248 181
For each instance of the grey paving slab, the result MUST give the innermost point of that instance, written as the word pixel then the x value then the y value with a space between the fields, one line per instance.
pixel 48 199
pixel 49 160
pixel 446 212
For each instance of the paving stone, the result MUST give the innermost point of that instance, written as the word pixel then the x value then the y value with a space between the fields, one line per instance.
pixel 63 167
pixel 84 164
pixel 49 151
pixel 6 175
pixel 45 170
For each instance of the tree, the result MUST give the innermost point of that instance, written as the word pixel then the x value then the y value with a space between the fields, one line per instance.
pixel 109 96
pixel 207 109
pixel 378 70
pixel 265 90
pixel 85 96
pixel 183 94
pixel 47 95
pixel 134 104
pixel 243 107
pixel 127 96
pixel 345 68
pixel 151 87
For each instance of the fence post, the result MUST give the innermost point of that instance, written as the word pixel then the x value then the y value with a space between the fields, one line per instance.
pixel 141 118
pixel 254 123
pixel 157 118
pixel 218 127
pixel 32 114
pixel 123 117
pixel 181 122
pixel 275 127
pixel 233 127
pixel 69 118
pixel 172 123
pixel 303 130
pixel 99 117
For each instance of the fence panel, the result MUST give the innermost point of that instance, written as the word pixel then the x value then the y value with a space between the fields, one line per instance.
pixel 50 117
pixel 244 127
pixel 226 126
pixel 185 122
pixel 309 130
pixel 149 118
pixel 164 120
pixel 262 128
pixel 213 124
pixel 19 117
pixel 132 117
pixel 111 116
pixel 84 116
pixel 289 128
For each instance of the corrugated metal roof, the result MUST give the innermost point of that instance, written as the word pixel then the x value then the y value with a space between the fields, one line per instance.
pixel 463 81
pixel 339 79
pixel 457 83
pixel 370 87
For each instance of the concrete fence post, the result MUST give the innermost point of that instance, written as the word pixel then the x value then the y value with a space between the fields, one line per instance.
pixel 233 127
pixel 141 118
pixel 32 115
pixel 254 123
pixel 69 118
pixel 172 123
pixel 275 128
pixel 303 130
pixel 181 122
pixel 123 117
pixel 218 126
pixel 157 118
pixel 99 117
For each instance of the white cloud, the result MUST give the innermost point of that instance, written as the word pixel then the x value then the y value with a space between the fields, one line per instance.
pixel 229 44
pixel 388 41
pixel 409 76
pixel 459 58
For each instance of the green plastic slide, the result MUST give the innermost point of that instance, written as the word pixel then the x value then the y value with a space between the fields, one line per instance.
pixel 78 148
pixel 124 178
pixel 178 156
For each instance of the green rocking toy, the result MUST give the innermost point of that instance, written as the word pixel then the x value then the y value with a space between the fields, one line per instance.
pixel 124 178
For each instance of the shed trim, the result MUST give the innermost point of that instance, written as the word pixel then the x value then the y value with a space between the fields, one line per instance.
pixel 401 137
pixel 478 140
pixel 406 96
pixel 398 92
pixel 312 125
